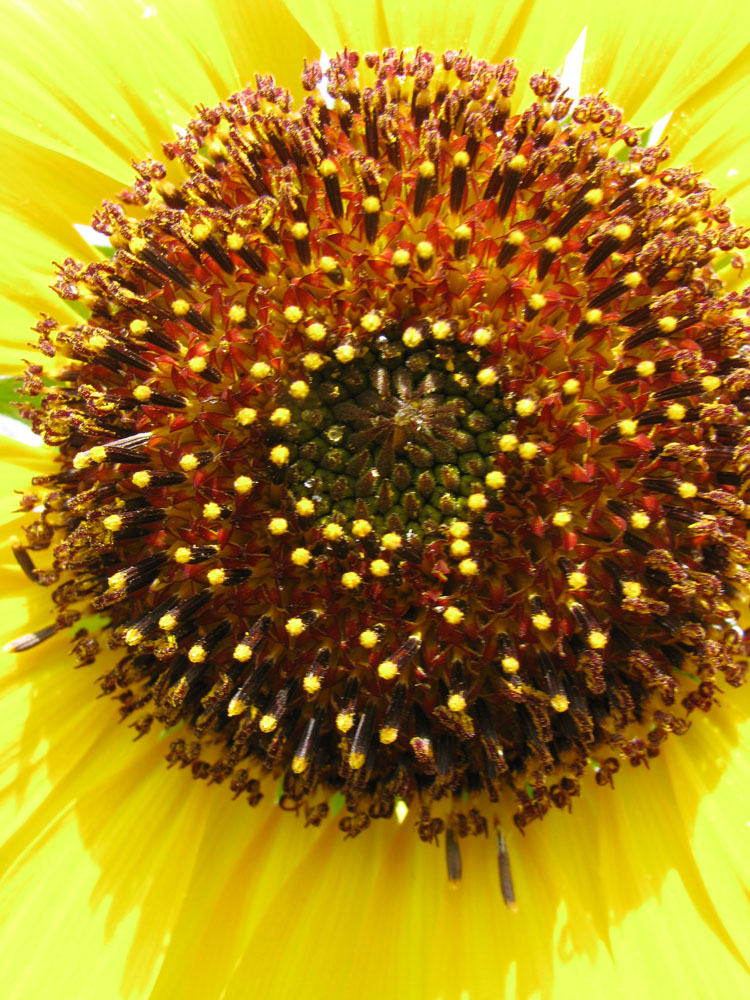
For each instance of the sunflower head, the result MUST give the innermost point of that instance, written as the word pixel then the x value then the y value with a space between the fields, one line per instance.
pixel 403 445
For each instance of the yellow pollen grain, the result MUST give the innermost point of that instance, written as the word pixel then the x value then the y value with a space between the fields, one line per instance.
pixel 495 480
pixel 235 241
pixel 627 428
pixel 267 724
pixel 622 232
pixel 242 652
pixel 300 231
pixel 133 637
pixel 82 460
pixel 197 365
pixel 201 231
pixel 441 330
pixel 182 555
pixel 333 532
pixel 344 353
pixel 640 519
pixel 295 627
pixel 537 301
pixel 508 442
pixel 311 684
pixel 280 416
pixel 645 369
pixel 301 556
pixel 141 479
pixel 667 324
pixel 482 336
pixel 388 735
pixel 461 159
pixel 216 576
pixel 371 205
pixel 313 361
pixel 361 528
pixel 571 386
pixel 197 654
pixel 400 258
pixel 305 507
pixel 243 484
pixel 167 622
pixel 515 237
pixel 180 307
pixel 327 168
pixel 113 522
pixel 97 342
pixel 632 279
pixel 293 314
pixel 138 327
pixel 412 337
pixel 246 416
pixel 687 490
pixel 371 322
pixel 299 765
pixel 379 567
pixel 559 703
pixel 98 453
pixel 453 615
pixel 316 332
pixel 456 702
pixel 577 580
pixel 368 638
pixel 459 529
pixel 277 525
pixel 561 518
pixel 279 454
pixel 387 670
pixel 476 502
pixel 594 197
pixel 518 163
pixel 510 664
pixel 552 244
pixel 487 377
pixel 142 393
pixel 260 370
pixel 391 541
pixel 427 169
pixel 541 621
pixel 189 462
pixel 597 639
pixel 462 232
pixel 211 511
pixel 351 580
pixel 425 250
pixel 117 581
pixel 528 450
pixel 468 567
pixel 676 412
pixel 593 316
pixel 631 588
pixel 525 407
pixel 710 383
pixel 299 389
pixel 328 265
pixel 344 721
pixel 460 548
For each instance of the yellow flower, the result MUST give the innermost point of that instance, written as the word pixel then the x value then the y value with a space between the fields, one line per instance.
pixel 124 880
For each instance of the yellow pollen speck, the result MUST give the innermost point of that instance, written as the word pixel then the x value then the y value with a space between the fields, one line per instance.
pixel 476 502
pixel 293 314
pixel 528 450
pixel 216 576
pixel 622 232
pixel 197 365
pixel 180 307
pixel 645 368
pixel 361 528
pixel 459 529
pixel 710 383
pixel 242 652
pixel 487 376
pixel 279 454
pixel 495 480
pixel 295 627
pixel 597 639
pixel 117 581
pixel 391 541
pixel 280 416
pixel 301 556
pixel 453 615
pixel 525 407
pixel 189 462
pixel 400 258
pixel 351 580
pixel 593 316
pixel 371 322
pixel 482 336
pixel 371 205
pixel 425 250
pixel 201 231
pixel 594 197
pixel 113 522
pixel 571 386
pixel 379 567
pixel 235 241
pixel 631 588
pixel 627 427
pixel 640 519
pixel 468 567
pixel 460 548
pixel 97 342
pixel 133 637
pixel 328 265
pixel 277 525
pixel 246 416
pixel 138 327
pixel 388 735
pixel 537 301
pixel 632 279
pixel 687 490
pixel 82 460
pixel 313 361
pixel 316 332
pixel 541 621
pixel 167 622
pixel 299 765
pixel 387 670
pixel 561 517
pixel 261 369
pixel 510 664
pixel 427 169
pixel 305 507
pixel 196 654
pixel 518 163
pixel 515 237
pixel 243 484
pixel 344 721
pixel 441 330
pixel 327 168
pixel 456 702
pixel 141 479
pixel 676 412
pixel 461 158
pixel 508 442
pixel 300 230
pixel 552 244
pixel 98 453
pixel 182 555
pixel 211 511
pixel 333 532
pixel 667 324
pixel 559 703
pixel 267 724
pixel 412 337
pixel 142 393
pixel 344 353
pixel 299 389
pixel 368 638
pixel 577 580
pixel 311 684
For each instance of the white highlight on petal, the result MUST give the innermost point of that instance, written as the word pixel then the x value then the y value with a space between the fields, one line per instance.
pixel 18 431
pixel 658 129
pixel 732 172
pixel 90 236
pixel 570 74
pixel 325 61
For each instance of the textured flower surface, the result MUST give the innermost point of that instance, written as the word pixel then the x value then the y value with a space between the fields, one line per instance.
pixel 402 441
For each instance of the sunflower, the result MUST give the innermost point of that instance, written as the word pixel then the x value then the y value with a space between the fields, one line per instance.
pixel 124 880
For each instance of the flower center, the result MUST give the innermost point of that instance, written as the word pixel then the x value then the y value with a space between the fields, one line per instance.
pixel 403 444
